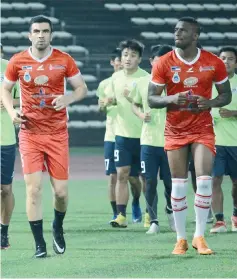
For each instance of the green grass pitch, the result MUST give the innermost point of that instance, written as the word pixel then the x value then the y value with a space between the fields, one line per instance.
pixel 94 249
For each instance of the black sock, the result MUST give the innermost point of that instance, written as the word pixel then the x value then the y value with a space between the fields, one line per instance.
pixel 235 212
pixel 135 201
pixel 113 205
pixel 168 210
pixel 219 217
pixel 121 208
pixel 4 229
pixel 37 230
pixel 154 221
pixel 58 219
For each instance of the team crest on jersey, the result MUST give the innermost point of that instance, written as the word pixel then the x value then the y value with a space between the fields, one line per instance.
pixel 27 77
pixel 176 78
pixel 41 80
pixel 206 68
pixel 175 69
pixel 190 82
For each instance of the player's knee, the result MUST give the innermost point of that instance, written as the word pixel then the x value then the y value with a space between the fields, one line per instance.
pixel 6 190
pixel 216 182
pixel 113 179
pixel 123 174
pixel 34 191
pixel 151 184
pixel 134 180
pixel 204 185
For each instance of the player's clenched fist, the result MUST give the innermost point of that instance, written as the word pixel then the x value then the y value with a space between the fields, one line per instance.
pixel 203 103
pixel 17 117
pixel 61 102
pixel 180 98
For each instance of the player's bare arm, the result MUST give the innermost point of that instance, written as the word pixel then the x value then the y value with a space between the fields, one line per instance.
pixel 79 93
pixel 224 97
pixel 155 100
pixel 7 100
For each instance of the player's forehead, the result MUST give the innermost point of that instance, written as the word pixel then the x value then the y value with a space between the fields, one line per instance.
pixel 183 25
pixel 227 54
pixel 130 51
pixel 40 26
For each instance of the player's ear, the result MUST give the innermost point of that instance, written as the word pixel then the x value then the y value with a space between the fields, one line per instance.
pixel 51 37
pixel 139 60
pixel 29 36
pixel 112 63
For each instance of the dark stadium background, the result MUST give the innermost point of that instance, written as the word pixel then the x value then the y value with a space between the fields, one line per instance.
pixel 90 29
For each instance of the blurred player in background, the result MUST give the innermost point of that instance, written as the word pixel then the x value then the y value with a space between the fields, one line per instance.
pixel 43 136
pixel 188 74
pixel 153 156
pixel 8 152
pixel 109 139
pixel 225 128
pixel 127 131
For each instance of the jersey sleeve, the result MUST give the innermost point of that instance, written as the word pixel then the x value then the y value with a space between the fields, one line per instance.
pixel 221 75
pixel 72 69
pixel 100 93
pixel 11 73
pixel 158 73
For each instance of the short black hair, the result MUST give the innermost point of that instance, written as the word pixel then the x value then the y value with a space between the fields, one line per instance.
pixel 133 45
pixel 115 53
pixel 192 21
pixel 40 19
pixel 230 49
pixel 160 50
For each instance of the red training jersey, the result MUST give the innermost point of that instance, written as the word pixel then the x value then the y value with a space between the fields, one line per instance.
pixel 198 75
pixel 41 81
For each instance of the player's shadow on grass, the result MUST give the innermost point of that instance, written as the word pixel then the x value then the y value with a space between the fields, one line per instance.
pixel 169 256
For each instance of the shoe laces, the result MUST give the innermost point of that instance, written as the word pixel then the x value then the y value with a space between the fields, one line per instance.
pixel 180 244
pixel 202 243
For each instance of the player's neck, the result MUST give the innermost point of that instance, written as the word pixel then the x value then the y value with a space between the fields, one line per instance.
pixel 189 53
pixel 231 75
pixel 39 54
pixel 129 72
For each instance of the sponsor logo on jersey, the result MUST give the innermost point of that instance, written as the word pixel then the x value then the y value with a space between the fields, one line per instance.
pixel 206 68
pixel 176 78
pixel 29 68
pixel 175 69
pixel 27 77
pixel 190 70
pixel 41 80
pixel 190 82
pixel 56 67
pixel 40 68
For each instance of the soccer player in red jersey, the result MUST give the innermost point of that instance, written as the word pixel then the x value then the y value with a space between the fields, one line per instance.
pixel 43 139
pixel 187 74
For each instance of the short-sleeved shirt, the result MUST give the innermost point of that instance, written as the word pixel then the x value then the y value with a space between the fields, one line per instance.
pixel 153 131
pixel 111 111
pixel 197 76
pixel 41 81
pixel 7 129
pixel 226 128
pixel 127 123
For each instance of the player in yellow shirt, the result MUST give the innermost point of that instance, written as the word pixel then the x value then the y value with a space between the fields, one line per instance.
pixel 153 156
pixel 127 131
pixel 109 139
pixel 225 120
pixel 8 152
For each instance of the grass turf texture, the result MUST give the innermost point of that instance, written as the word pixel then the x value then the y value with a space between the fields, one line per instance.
pixel 94 249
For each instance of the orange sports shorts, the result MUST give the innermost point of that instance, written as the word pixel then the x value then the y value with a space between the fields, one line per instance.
pixel 178 142
pixel 45 152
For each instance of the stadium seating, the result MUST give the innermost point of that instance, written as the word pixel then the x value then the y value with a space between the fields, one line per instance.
pixel 90 29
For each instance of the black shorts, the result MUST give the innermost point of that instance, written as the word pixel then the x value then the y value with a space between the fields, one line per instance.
pixel 8 155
